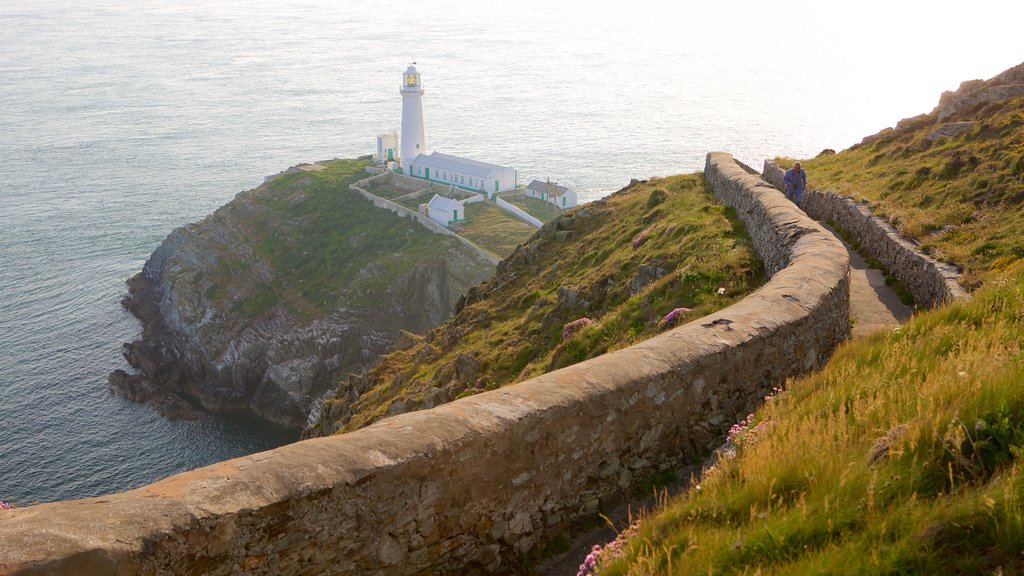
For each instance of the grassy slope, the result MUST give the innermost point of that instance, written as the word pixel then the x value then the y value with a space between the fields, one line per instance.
pixel 514 330
pixel 493 228
pixel 801 496
pixel 316 245
pixel 962 197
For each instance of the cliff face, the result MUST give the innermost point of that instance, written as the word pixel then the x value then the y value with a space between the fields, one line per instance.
pixel 267 302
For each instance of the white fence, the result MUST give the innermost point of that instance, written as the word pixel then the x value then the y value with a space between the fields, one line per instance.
pixel 516 211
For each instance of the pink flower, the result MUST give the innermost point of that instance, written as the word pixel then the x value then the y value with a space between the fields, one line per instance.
pixel 640 238
pixel 672 317
pixel 575 326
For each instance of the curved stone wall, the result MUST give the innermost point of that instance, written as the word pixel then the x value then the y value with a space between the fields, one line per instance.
pixel 930 282
pixel 466 487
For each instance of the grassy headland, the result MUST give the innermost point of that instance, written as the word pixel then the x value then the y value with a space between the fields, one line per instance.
pixel 622 263
pixel 315 245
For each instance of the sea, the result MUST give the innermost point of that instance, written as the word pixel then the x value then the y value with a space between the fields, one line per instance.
pixel 122 120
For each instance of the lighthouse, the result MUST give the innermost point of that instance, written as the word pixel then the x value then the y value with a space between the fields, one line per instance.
pixel 413 142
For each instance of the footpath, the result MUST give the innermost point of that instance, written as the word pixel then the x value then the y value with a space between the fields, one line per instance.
pixel 874 306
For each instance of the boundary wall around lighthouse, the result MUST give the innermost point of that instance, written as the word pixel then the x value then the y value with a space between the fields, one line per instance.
pixel 929 281
pixel 470 486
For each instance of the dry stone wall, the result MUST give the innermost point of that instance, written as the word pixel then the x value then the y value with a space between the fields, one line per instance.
pixel 930 282
pixel 470 486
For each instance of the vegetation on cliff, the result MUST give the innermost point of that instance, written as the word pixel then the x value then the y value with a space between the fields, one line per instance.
pixel 314 245
pixel 903 455
pixel 598 278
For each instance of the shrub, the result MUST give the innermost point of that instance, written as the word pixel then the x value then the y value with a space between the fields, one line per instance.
pixel 656 197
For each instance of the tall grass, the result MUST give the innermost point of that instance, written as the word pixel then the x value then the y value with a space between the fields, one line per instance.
pixel 902 456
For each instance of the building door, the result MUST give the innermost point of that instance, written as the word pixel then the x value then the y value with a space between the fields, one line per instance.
pixel 563 200
pixel 428 173
pixel 391 153
pixel 495 185
pixel 455 215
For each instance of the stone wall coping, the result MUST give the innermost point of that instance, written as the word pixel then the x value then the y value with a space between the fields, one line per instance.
pixel 465 486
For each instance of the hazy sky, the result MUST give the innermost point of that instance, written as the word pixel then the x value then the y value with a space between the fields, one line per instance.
pixel 910 51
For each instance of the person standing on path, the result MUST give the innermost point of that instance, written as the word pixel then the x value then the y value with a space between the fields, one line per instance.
pixel 795 181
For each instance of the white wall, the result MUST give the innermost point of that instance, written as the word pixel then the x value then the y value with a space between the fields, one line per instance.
pixel 518 213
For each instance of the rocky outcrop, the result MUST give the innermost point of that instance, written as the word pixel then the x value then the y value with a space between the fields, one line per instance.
pixel 201 351
pixel 974 93
pixel 969 98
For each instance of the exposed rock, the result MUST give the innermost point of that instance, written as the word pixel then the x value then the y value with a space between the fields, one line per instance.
pixel 949 130
pixel 973 93
pixel 569 299
pixel 919 121
pixel 466 368
pixel 644 276
pixel 434 397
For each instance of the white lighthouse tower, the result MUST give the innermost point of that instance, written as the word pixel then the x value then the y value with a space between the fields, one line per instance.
pixel 413 142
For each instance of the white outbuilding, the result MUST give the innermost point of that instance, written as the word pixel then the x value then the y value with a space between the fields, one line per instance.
pixel 463 172
pixel 387 148
pixel 444 210
pixel 551 192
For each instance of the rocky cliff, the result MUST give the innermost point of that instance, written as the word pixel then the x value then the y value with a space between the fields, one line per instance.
pixel 263 305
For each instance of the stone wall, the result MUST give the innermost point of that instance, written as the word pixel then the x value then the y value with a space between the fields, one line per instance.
pixel 930 282
pixel 469 486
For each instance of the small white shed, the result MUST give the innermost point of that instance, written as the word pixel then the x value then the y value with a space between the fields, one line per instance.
pixel 387 148
pixel 551 192
pixel 444 210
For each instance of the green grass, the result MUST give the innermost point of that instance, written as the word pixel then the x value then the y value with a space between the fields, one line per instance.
pixel 313 245
pixel 390 191
pixel 513 329
pixel 962 197
pixel 493 229
pixel 803 496
pixel 539 209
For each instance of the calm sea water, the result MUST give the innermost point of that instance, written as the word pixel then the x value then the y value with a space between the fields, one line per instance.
pixel 123 120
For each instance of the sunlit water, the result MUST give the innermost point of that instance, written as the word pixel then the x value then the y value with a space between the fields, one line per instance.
pixel 120 122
